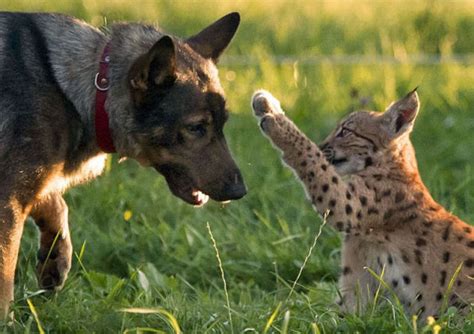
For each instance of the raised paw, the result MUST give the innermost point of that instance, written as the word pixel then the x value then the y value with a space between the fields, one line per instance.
pixel 53 267
pixel 267 109
pixel 265 104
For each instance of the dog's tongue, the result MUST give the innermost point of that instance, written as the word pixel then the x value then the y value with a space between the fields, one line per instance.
pixel 200 198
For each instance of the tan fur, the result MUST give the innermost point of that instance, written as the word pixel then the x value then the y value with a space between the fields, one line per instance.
pixel 55 253
pixel 366 175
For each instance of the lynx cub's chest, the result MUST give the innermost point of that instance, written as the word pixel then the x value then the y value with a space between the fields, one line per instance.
pixel 365 174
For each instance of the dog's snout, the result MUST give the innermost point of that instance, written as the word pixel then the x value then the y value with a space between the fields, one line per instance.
pixel 235 188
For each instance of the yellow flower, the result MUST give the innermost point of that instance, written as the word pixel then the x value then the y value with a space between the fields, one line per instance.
pixel 127 215
pixel 436 329
pixel 430 320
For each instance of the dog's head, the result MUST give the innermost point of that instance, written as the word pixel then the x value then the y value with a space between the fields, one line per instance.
pixel 180 112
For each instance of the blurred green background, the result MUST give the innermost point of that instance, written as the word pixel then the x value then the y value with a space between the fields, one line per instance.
pixel 322 59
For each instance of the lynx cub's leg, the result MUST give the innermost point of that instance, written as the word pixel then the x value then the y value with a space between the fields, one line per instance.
pixel 356 285
pixel 51 216
pixel 272 118
pixel 328 192
pixel 324 187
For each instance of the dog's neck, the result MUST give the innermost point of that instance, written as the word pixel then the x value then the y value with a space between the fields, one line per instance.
pixel 75 56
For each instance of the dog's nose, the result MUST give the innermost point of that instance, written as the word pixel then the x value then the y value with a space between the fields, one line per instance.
pixel 236 188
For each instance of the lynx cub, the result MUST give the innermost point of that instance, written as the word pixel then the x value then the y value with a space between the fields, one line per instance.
pixel 365 173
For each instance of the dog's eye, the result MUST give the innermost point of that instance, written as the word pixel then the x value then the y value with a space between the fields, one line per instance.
pixel 197 130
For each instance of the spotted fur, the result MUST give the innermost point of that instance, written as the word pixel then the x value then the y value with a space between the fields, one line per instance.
pixel 365 174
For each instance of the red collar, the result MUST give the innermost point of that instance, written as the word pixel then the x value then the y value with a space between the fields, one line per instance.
pixel 102 84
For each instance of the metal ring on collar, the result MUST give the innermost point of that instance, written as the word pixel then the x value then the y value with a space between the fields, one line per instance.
pixel 96 83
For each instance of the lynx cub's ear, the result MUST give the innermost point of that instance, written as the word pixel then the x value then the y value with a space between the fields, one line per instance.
pixel 400 115
pixel 154 69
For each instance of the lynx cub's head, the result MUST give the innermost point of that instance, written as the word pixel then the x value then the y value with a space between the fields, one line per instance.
pixel 366 138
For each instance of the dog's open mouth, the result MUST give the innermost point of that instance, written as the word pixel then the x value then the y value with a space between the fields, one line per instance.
pixel 199 198
pixel 182 185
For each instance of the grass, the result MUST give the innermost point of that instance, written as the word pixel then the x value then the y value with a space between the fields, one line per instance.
pixel 157 262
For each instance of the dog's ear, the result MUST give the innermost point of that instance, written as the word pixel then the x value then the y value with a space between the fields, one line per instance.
pixel 212 41
pixel 400 116
pixel 154 69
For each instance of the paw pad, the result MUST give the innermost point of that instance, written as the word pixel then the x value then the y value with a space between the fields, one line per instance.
pixel 264 103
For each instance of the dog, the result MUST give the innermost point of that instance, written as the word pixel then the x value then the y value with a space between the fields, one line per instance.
pixel 71 93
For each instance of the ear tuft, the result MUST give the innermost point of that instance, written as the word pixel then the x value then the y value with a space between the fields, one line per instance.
pixel 212 41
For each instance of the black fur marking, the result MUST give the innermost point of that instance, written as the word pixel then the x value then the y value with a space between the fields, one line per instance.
pixel 411 217
pixel 427 223
pixel 420 242
pixel 418 257
pixel 424 278
pixel 368 162
pixel 447 231
pixel 405 258
pixel 442 280
pixel 373 211
pixel 399 196
pixel 446 256
pixel 348 209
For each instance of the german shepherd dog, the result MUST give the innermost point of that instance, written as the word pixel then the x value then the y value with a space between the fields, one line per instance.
pixel 69 93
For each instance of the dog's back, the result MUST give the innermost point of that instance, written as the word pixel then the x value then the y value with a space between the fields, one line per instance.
pixel 39 123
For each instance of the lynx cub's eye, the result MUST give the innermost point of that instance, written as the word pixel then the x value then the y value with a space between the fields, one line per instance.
pixel 342 133
pixel 197 130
